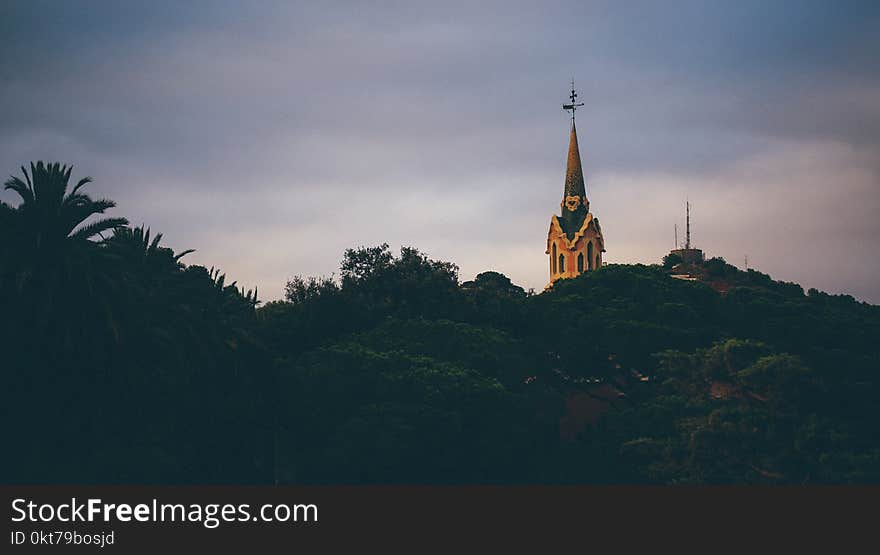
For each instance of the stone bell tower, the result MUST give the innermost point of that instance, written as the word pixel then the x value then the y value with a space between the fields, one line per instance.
pixel 574 242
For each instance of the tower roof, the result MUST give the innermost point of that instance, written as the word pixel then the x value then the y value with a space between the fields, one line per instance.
pixel 575 206
pixel 574 173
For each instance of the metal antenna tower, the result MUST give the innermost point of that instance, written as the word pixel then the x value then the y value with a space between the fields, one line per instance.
pixel 687 241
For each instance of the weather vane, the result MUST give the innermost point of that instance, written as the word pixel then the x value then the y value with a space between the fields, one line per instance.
pixel 574 104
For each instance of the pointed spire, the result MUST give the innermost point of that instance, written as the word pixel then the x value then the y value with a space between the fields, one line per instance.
pixel 575 206
pixel 574 173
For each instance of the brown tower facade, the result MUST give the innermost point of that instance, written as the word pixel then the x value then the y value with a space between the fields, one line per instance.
pixel 574 242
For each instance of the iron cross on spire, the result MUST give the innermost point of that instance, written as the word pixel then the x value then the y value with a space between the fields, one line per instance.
pixel 574 103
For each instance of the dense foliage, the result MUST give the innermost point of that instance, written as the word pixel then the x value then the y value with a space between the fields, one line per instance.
pixel 122 364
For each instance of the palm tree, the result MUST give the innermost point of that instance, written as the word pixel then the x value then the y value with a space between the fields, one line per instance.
pixel 49 226
pixel 49 265
pixel 50 216
pixel 135 245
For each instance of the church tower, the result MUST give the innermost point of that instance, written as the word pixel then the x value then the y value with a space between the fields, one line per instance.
pixel 574 242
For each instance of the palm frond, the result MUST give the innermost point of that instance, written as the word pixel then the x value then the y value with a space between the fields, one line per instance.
pixel 94 228
pixel 76 214
pixel 102 204
pixel 219 279
pixel 24 190
pixel 66 171
pixel 24 171
pixel 155 244
pixel 76 199
pixel 80 184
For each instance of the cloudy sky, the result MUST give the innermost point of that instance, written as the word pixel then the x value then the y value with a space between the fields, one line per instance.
pixel 270 137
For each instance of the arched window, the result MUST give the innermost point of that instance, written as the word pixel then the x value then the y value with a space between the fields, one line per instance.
pixel 598 262
pixel 553 260
pixel 590 254
pixel 580 262
pixel 561 263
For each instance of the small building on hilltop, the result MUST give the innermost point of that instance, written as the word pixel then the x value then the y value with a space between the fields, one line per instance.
pixel 686 254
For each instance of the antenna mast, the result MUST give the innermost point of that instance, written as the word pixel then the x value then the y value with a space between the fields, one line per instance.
pixel 676 235
pixel 687 243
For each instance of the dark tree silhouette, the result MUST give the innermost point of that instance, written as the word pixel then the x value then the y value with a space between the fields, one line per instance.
pixel 50 216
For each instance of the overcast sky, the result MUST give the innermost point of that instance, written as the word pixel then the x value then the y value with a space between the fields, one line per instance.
pixel 270 137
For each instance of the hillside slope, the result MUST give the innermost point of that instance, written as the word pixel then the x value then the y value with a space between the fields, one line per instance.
pixel 124 365
pixel 620 375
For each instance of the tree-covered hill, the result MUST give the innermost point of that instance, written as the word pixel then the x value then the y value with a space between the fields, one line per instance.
pixel 122 364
